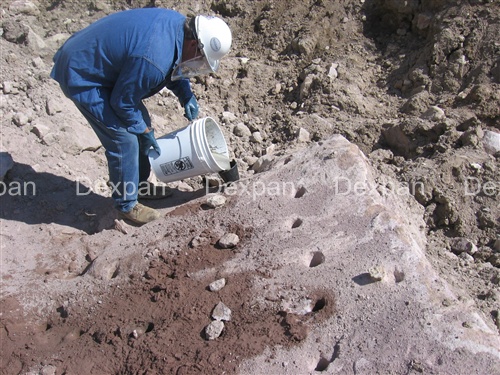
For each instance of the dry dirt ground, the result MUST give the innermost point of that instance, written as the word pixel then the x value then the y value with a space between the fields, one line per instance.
pixel 414 84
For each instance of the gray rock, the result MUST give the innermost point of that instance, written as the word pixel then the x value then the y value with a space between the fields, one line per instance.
pixel 9 88
pixel 53 106
pixel 256 137
pixel 377 273
pixel 23 7
pixel 216 201
pixel 221 312
pixel 433 113
pixel 214 330
pixel 332 71
pixel 303 135
pixel 48 370
pixel 463 245
pixel 20 119
pixel 241 130
pixel 34 41
pixel 305 87
pixel 491 142
pixel 229 240
pixel 217 285
pixel 40 130
pixel 228 117
pixel 262 164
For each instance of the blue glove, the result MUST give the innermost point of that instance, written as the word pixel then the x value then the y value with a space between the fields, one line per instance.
pixel 146 141
pixel 191 109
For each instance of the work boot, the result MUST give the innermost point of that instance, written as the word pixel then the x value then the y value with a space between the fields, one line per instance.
pixel 148 190
pixel 141 214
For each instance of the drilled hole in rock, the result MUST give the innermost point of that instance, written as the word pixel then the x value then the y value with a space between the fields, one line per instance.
pixel 297 223
pixel 242 73
pixel 150 327
pixel 322 364
pixel 300 192
pixel 399 275
pixel 319 305
pixel 317 259
pixel 115 273
pixel 62 312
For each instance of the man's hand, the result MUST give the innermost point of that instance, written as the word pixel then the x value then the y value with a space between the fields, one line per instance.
pixel 147 140
pixel 191 109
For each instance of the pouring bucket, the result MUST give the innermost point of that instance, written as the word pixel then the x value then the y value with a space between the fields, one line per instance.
pixel 194 150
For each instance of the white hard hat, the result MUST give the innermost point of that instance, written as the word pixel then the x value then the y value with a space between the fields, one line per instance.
pixel 215 38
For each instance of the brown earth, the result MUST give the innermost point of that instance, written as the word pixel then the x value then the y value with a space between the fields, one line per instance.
pixel 415 85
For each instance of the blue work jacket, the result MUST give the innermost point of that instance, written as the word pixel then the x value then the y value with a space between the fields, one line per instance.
pixel 129 55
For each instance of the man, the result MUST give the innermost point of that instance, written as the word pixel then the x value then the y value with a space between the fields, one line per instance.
pixel 109 67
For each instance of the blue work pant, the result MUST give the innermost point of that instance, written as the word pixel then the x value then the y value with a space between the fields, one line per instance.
pixel 127 166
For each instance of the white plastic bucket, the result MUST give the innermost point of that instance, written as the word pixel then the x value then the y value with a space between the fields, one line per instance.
pixel 194 150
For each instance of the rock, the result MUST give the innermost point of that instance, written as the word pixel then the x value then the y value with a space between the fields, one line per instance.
pixel 34 41
pixel 53 106
pixel 483 254
pixel 214 330
pixel 423 21
pixel 229 240
pixel 297 306
pixel 467 257
pixel 381 155
pixel 37 62
pixel 221 312
pixel 332 71
pixel 463 245
pixel 303 135
pixel 48 370
pixel 103 268
pixel 256 137
pixel 271 149
pixel 184 186
pixel 305 43
pixel 198 241
pixel 20 119
pixel 9 88
pixel 305 87
pixel 434 113
pixel 23 7
pixel 241 130
pixel 216 201
pixel 40 130
pixel 377 273
pixel 121 226
pixel 217 285
pixel 491 142
pixel 101 5
pixel 250 160
pixel 496 246
pixel 55 41
pixel 495 260
pixel 228 117
pixel 6 164
pixel 262 164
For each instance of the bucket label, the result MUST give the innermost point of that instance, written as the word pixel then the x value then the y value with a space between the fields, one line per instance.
pixel 176 166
